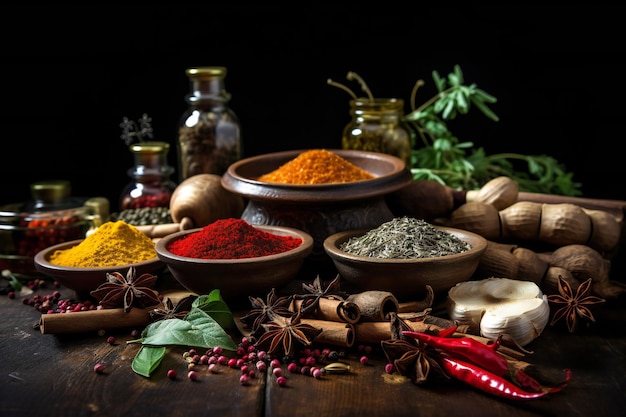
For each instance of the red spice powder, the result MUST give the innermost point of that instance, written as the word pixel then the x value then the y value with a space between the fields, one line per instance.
pixel 232 239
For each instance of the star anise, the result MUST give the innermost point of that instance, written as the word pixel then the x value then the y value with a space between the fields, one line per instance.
pixel 415 361
pixel 315 291
pixel 265 311
pixel 171 311
pixel 573 305
pixel 283 335
pixel 127 292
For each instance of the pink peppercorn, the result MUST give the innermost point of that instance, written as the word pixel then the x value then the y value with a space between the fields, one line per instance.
pixel 281 381
pixel 292 367
pixel 243 379
pixel 111 340
pixel 171 374
pixel 364 360
pixel 275 363
pixel 390 368
pixel 193 375
pixel 98 368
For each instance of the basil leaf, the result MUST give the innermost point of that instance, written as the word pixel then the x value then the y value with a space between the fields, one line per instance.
pixel 148 359
pixel 198 329
pixel 214 306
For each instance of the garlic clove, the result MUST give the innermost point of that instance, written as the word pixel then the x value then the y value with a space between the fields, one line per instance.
pixel 500 306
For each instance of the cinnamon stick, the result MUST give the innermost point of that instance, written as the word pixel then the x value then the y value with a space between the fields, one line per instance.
pixel 375 305
pixel 94 320
pixel 377 331
pixel 333 332
pixel 333 310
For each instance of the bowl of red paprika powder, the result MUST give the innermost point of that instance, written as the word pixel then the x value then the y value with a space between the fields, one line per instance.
pixel 235 257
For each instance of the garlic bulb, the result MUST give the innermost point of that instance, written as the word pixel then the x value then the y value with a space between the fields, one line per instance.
pixel 500 306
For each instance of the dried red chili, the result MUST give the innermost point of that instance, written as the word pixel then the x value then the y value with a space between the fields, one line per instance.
pixel 491 383
pixel 232 239
pixel 467 348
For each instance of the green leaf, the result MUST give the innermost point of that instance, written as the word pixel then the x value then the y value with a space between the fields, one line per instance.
pixel 214 306
pixel 484 96
pixel 461 102
pixel 148 359
pixel 198 329
pixel 484 109
pixel 448 111
pixel 440 83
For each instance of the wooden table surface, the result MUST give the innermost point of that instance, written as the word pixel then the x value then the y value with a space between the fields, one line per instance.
pixel 52 375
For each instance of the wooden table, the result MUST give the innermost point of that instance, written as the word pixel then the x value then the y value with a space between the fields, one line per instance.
pixel 52 375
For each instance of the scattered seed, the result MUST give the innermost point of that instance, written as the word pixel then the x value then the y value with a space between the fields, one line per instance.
pixel 281 381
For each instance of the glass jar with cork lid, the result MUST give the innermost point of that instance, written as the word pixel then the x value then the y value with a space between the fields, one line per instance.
pixel 209 134
pixel 377 126
pixel 151 185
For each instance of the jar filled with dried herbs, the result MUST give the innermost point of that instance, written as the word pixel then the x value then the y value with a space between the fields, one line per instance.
pixel 377 126
pixel 209 135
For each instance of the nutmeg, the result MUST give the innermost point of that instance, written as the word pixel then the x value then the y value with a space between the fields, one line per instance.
pixel 477 217
pixel 500 192
pixel 564 224
pixel 521 221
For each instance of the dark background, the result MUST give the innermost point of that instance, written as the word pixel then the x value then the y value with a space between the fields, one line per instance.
pixel 71 73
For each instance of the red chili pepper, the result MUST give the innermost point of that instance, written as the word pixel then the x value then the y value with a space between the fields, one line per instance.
pixel 467 348
pixel 489 382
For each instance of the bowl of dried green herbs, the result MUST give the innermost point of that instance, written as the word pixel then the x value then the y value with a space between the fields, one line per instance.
pixel 404 256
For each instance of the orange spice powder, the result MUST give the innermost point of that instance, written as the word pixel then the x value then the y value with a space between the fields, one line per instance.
pixel 316 166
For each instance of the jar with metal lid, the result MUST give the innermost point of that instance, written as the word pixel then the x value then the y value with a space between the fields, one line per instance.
pixel 52 216
pixel 209 135
pixel 151 185
pixel 377 125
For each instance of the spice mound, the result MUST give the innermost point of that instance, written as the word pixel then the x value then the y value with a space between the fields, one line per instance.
pixel 112 244
pixel 405 238
pixel 232 239
pixel 317 166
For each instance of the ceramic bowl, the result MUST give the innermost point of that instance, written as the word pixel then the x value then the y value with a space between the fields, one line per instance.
pixel 318 209
pixel 407 278
pixel 84 280
pixel 236 278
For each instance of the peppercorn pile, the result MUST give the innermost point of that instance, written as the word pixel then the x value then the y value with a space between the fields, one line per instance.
pixel 144 216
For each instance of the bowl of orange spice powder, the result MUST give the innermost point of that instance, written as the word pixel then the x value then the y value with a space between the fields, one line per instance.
pixel 319 191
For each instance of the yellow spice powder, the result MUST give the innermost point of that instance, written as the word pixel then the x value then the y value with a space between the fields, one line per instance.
pixel 316 166
pixel 112 244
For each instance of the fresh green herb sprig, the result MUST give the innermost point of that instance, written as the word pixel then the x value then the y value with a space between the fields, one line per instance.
pixel 442 157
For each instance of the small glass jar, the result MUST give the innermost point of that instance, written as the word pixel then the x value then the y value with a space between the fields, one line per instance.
pixel 377 126
pixel 209 135
pixel 53 216
pixel 151 185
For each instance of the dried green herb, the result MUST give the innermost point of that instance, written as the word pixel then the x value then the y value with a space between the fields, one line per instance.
pixel 442 157
pixel 405 238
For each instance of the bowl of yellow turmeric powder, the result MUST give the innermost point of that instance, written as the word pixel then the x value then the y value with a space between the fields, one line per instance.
pixel 83 264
